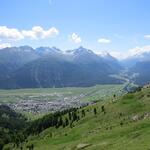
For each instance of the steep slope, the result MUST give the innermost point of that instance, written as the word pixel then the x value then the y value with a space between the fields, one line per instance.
pixel 10 125
pixel 47 72
pixel 24 67
pixel 13 58
pixel 87 58
pixel 80 67
pixel 108 125
pixel 112 62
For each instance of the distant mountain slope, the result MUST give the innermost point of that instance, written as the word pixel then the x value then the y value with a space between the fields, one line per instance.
pixel 53 72
pixel 142 70
pixel 138 67
pixel 139 57
pixel 112 62
pixel 24 67
pixel 15 57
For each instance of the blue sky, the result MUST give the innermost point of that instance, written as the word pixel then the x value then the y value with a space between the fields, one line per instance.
pixel 101 25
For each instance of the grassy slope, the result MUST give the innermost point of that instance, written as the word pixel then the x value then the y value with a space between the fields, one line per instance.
pixel 103 131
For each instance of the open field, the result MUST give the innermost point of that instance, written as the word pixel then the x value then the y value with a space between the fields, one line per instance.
pixel 53 93
pixel 39 101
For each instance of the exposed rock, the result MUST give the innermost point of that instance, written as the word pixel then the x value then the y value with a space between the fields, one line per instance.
pixel 82 146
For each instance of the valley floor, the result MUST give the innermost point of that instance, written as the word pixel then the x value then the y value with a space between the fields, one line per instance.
pixel 41 101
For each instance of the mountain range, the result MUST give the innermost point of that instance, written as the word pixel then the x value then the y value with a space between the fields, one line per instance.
pixel 25 67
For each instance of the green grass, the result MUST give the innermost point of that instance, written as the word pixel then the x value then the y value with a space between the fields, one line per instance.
pixel 103 131
pixel 95 93
pixel 91 93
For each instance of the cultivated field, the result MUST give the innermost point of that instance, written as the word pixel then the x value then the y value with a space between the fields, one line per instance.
pixel 39 101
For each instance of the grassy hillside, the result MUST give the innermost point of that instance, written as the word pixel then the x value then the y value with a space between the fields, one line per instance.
pixel 119 124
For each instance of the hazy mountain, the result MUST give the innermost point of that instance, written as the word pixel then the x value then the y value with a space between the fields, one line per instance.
pixel 15 57
pixel 113 62
pixel 142 72
pixel 48 50
pixel 25 67
pixel 138 67
pixel 139 57
pixel 50 67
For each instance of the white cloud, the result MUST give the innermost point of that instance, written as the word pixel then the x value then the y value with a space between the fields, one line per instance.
pixel 147 36
pixel 10 33
pixel 50 33
pixel 75 38
pixel 36 32
pixel 4 45
pixel 29 34
pixel 104 41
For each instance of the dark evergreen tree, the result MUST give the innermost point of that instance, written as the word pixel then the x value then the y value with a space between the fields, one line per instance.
pixel 95 111
pixel 60 122
pixel 103 108
pixel 66 121
pixel 83 113
pixel 114 95
pixel 74 115
pixel 70 116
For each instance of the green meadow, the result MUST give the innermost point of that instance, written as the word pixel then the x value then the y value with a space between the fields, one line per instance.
pixel 90 93
pixel 123 125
